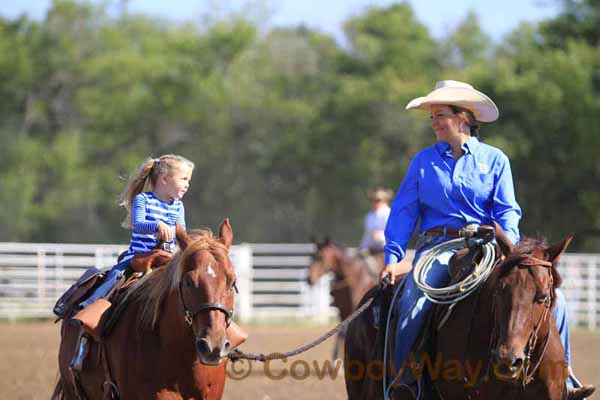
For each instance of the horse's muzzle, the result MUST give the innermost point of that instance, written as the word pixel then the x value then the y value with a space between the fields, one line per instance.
pixel 507 367
pixel 209 354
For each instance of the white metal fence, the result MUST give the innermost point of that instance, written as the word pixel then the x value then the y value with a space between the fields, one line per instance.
pixel 271 280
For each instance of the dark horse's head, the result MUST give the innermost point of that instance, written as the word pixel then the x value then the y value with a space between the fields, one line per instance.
pixel 325 259
pixel 523 296
pixel 200 281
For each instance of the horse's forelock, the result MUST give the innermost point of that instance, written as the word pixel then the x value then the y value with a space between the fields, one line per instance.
pixel 529 247
pixel 526 247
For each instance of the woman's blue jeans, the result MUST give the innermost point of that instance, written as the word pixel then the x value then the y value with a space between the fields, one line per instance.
pixel 110 280
pixel 413 306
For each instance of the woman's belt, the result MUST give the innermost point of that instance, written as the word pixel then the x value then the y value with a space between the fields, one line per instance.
pixel 466 231
pixel 444 231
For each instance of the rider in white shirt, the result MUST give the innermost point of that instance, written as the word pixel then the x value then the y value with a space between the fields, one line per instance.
pixel 373 239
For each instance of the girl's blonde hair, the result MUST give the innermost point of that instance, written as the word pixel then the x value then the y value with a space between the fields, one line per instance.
pixel 145 179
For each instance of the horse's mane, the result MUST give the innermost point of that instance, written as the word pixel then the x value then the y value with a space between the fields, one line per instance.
pixel 151 291
pixel 525 248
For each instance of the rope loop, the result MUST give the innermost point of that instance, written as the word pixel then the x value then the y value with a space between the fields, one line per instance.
pixel 454 293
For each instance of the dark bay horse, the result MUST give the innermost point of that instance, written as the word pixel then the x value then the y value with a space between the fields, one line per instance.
pixel 499 343
pixel 170 341
pixel 353 276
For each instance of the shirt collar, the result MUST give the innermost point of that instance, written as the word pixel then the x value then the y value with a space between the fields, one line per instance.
pixel 471 145
pixel 443 147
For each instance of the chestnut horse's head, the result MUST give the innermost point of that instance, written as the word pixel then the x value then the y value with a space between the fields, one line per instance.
pixel 325 259
pixel 200 281
pixel 206 289
pixel 522 300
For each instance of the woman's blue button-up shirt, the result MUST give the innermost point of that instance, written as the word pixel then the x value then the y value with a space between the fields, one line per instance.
pixel 441 191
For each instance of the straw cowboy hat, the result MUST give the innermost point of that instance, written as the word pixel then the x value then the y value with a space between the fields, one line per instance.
pixel 458 94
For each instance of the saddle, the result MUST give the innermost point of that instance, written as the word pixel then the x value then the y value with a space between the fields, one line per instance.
pixel 68 302
pixel 90 317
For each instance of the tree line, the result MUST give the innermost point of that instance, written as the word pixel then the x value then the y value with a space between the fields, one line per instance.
pixel 288 128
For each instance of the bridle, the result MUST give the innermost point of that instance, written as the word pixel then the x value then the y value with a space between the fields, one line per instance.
pixel 190 314
pixel 532 341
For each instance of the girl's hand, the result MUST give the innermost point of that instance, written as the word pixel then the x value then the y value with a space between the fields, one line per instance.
pixel 163 232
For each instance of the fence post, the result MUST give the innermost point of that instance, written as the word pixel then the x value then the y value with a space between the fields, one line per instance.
pixel 242 261
pixel 323 300
pixel 98 261
pixel 592 299
pixel 59 273
pixel 41 264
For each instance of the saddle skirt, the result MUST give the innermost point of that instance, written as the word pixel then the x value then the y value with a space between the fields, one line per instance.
pixel 101 314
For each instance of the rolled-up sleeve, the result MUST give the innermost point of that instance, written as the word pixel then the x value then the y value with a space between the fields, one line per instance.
pixel 403 216
pixel 505 209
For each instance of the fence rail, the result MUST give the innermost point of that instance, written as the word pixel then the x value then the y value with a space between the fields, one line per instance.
pixel 271 280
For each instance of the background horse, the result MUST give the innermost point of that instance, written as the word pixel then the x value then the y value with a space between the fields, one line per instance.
pixel 170 341
pixel 353 277
pixel 482 350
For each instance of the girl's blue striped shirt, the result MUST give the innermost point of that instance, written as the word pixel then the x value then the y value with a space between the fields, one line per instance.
pixel 147 211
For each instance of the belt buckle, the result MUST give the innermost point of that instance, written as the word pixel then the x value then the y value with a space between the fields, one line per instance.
pixel 170 247
pixel 468 231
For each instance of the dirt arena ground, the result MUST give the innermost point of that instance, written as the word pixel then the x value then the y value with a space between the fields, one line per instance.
pixel 28 363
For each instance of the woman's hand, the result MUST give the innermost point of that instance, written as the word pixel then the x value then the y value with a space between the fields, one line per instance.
pixel 163 232
pixel 394 269
pixel 388 270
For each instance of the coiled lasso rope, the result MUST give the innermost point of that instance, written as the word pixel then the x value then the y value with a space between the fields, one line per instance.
pixel 453 293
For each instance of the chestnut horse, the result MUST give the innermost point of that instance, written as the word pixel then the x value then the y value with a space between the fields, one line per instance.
pixel 170 341
pixel 499 343
pixel 353 277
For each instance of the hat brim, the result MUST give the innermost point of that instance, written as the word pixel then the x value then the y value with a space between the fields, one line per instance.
pixel 482 106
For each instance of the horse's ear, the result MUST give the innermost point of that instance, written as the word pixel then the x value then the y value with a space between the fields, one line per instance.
pixel 182 236
pixel 327 240
pixel 554 252
pixel 226 233
pixel 506 246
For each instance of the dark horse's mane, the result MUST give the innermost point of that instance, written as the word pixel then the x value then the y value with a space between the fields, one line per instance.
pixel 526 247
pixel 151 291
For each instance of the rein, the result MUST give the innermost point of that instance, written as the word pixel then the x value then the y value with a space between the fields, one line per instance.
pixel 531 261
pixel 236 354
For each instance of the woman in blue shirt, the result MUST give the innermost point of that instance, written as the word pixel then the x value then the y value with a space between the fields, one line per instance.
pixel 456 182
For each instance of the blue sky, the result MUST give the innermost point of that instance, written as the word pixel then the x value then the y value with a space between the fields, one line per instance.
pixel 496 17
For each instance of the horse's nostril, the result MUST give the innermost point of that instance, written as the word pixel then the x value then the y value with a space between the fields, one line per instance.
pixel 203 347
pixel 517 363
pixel 226 348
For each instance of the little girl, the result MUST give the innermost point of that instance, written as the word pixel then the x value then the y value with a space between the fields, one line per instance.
pixel 152 214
